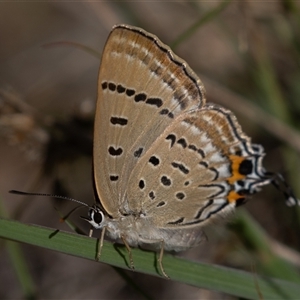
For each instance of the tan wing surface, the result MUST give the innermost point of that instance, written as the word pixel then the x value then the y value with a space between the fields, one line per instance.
pixel 189 172
pixel 142 89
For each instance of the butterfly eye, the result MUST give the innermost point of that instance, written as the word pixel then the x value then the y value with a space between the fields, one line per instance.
pixel 95 218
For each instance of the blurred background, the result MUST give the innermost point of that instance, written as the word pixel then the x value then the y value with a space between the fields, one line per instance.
pixel 246 53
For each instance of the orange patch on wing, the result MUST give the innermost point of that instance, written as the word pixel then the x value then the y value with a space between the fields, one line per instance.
pixel 233 197
pixel 235 165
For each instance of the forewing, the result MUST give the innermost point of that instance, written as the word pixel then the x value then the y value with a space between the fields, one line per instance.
pixel 143 87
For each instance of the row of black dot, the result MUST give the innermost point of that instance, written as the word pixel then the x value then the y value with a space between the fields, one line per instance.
pixel 179 196
pixel 182 141
pixel 155 162
pixel 166 181
pixel 140 97
pixel 119 151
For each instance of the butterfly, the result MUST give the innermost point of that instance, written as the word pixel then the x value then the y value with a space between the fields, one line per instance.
pixel 166 163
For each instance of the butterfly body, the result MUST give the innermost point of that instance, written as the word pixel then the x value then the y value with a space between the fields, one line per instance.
pixel 140 231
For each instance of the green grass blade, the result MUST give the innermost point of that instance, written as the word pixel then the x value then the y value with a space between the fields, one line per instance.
pixel 206 276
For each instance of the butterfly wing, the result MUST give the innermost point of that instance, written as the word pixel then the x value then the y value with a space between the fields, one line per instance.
pixel 202 165
pixel 142 88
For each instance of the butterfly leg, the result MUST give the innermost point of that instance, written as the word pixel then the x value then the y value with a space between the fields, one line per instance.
pixel 160 258
pixel 129 252
pixel 160 254
pixel 100 244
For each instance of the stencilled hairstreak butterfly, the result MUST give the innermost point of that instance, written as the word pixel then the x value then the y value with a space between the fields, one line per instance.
pixel 166 163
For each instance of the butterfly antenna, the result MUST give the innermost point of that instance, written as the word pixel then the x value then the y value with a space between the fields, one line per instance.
pixel 47 195
pixel 280 183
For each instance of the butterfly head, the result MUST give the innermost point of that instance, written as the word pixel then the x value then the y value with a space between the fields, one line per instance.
pixel 95 217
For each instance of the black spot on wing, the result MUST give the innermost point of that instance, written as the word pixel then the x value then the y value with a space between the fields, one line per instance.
pixel 154 160
pixel 192 147
pixel 180 196
pixel 165 180
pixel 138 152
pixel 141 184
pixel 115 152
pixel 161 203
pixel 118 121
pixel 198 150
pixel 112 87
pixel 246 167
pixel 180 167
pixel 152 195
pixel 120 89
pixel 140 97
pixel 172 138
pixel 165 111
pixel 104 85
pixel 182 142
pixel 154 101
pixel 113 177
pixel 130 92
pixel 204 164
